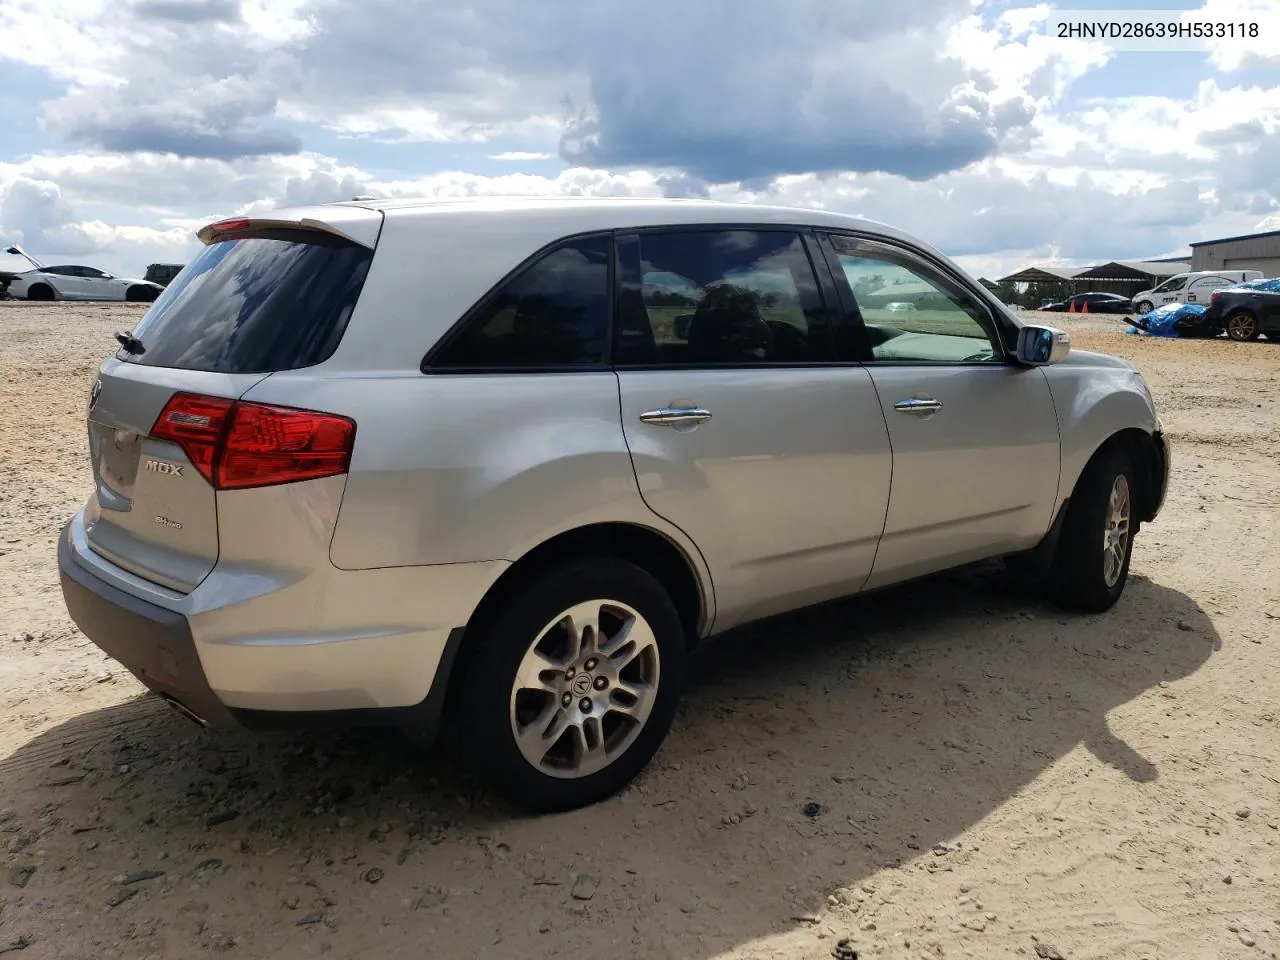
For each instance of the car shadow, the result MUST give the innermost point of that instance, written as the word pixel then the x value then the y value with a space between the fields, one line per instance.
pixel 811 752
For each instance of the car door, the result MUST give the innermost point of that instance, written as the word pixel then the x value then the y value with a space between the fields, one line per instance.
pixel 65 281
pixel 744 430
pixel 1200 290
pixel 97 285
pixel 1170 292
pixel 976 452
pixel 1266 298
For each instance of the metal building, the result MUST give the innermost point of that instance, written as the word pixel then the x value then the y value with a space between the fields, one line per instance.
pixel 1255 251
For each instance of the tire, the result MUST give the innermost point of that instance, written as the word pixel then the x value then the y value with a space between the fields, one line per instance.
pixel 40 291
pixel 489 705
pixel 1242 326
pixel 1085 577
pixel 1143 306
pixel 139 295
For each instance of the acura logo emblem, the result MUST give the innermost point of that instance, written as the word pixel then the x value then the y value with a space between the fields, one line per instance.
pixel 95 393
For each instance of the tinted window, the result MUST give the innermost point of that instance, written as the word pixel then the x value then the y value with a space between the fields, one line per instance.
pixel 273 301
pixel 554 313
pixel 719 297
pixel 910 312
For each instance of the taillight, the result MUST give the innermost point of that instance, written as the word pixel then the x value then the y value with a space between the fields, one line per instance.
pixel 235 445
pixel 196 425
pixel 1215 296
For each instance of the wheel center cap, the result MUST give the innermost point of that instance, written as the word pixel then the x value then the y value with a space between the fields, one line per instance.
pixel 581 684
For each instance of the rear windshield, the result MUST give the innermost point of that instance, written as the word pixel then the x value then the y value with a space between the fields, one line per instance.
pixel 277 300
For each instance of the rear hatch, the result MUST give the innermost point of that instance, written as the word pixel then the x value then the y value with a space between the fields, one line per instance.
pixel 165 430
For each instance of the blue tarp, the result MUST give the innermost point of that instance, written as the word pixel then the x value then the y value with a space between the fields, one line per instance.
pixel 1160 321
pixel 1268 286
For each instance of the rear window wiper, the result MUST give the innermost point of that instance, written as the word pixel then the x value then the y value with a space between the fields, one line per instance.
pixel 132 345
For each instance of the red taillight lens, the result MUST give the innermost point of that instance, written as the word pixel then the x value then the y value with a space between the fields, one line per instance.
pixel 230 226
pixel 269 445
pixel 196 425
pixel 1215 296
pixel 238 445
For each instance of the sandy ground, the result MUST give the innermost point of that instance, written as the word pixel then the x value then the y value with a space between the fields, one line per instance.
pixel 991 777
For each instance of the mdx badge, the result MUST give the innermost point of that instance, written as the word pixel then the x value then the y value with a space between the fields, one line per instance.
pixel 168 469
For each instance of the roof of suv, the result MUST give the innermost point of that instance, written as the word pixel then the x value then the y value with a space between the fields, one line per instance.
pixel 603 213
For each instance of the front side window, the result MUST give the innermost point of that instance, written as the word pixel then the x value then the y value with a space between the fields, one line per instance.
pixel 911 313
pixel 719 298
pixel 1171 286
pixel 554 313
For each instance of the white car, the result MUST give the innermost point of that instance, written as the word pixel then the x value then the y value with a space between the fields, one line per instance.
pixel 80 283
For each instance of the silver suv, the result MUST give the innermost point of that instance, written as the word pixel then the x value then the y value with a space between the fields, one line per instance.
pixel 506 461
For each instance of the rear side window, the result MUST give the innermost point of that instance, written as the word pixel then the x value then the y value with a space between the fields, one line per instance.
pixel 552 314
pixel 719 297
pixel 276 300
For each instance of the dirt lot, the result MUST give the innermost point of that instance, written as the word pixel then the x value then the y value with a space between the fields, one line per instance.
pixel 994 778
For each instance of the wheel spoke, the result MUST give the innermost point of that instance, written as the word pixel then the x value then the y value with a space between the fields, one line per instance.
pixel 589 751
pixel 538 672
pixel 537 739
pixel 583 623
pixel 638 703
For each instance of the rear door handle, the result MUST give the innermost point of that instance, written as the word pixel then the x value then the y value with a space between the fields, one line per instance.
pixel 676 416
pixel 918 405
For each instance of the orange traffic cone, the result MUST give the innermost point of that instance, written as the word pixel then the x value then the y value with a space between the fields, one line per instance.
pixel 1071 307
pixel 1085 309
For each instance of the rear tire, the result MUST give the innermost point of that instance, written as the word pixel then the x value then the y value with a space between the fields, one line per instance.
pixel 1242 326
pixel 607 699
pixel 40 291
pixel 139 295
pixel 1091 564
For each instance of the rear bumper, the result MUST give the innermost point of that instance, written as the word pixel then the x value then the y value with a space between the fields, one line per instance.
pixel 159 647
pixel 153 643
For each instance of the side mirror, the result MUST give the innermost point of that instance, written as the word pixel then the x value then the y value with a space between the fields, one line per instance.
pixel 1038 346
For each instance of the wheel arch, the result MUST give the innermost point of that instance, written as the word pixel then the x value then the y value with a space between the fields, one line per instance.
pixel 41 285
pixel 644 546
pixel 1148 461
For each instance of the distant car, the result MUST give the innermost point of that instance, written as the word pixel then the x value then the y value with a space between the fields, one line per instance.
pixel 163 273
pixel 1194 287
pixel 1098 303
pixel 70 282
pixel 1245 311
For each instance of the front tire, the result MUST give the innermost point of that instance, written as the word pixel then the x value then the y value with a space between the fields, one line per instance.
pixel 40 291
pixel 138 294
pixel 1091 564
pixel 1242 326
pixel 1143 306
pixel 569 683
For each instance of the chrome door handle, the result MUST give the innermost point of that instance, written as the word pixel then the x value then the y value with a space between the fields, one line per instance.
pixel 918 405
pixel 676 416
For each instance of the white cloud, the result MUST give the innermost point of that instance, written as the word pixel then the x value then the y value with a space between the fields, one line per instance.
pixel 178 110
pixel 518 155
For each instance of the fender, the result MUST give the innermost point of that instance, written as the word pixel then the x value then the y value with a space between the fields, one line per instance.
pixel 1099 398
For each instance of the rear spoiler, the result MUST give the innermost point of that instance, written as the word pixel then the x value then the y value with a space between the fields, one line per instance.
pixel 357 224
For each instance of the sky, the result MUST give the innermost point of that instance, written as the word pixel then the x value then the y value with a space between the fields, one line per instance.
pixel 126 124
